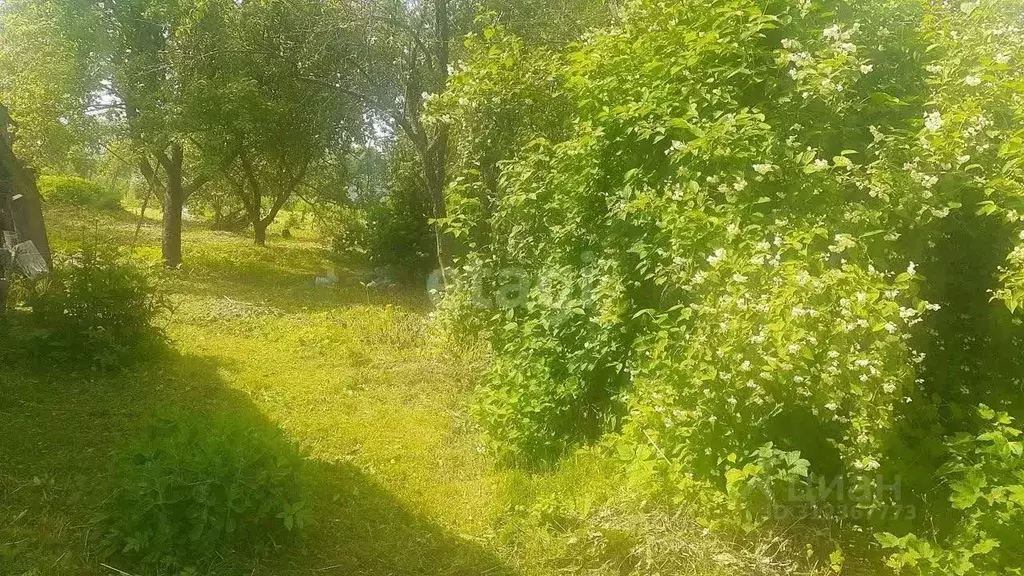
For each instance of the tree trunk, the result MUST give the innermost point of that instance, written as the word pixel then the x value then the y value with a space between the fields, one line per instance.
pixel 21 195
pixel 174 203
pixel 259 231
pixel 437 155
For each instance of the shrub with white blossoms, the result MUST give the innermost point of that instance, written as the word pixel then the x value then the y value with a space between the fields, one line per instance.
pixel 784 348
pixel 752 239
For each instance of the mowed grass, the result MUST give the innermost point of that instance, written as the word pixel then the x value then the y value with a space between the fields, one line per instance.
pixel 350 374
pixel 357 378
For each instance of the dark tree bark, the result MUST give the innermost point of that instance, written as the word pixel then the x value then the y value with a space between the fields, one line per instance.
pixel 21 210
pixel 251 192
pixel 24 203
pixel 259 231
pixel 174 204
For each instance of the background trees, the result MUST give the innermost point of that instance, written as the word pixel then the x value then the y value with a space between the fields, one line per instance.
pixel 276 95
pixel 46 78
pixel 139 49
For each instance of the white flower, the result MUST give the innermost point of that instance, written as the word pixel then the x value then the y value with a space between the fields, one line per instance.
pixel 832 33
pixel 933 121
pixel 933 69
pixel 889 387
pixel 832 406
pixel 890 328
pixel 739 278
pixel 821 164
pixel 866 69
pixel 912 269
pixel 972 80
pixel 717 256
pixel 1002 58
pixel 763 168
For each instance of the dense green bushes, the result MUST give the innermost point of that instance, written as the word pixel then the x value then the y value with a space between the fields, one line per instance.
pixel 96 310
pixel 985 477
pixel 193 490
pixel 389 229
pixel 75 191
pixel 755 244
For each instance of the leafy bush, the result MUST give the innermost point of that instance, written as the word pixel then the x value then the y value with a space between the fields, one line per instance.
pixel 75 191
pixel 985 481
pixel 400 238
pixel 97 310
pixel 748 224
pixel 193 489
pixel 391 230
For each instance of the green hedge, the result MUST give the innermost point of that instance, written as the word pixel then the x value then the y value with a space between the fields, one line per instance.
pixel 75 191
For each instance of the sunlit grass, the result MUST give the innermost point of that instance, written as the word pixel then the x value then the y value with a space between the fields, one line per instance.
pixel 353 376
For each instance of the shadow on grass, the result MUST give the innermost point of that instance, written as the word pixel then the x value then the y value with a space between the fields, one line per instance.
pixel 60 431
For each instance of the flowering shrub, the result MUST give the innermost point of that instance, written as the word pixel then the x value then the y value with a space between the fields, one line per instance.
pixel 756 245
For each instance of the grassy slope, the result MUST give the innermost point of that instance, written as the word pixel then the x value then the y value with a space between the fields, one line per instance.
pixel 401 484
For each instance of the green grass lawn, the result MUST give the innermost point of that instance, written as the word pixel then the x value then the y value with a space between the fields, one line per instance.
pixel 401 484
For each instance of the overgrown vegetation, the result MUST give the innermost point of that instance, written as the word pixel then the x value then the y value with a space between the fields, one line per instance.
pixel 734 249
pixel 75 191
pixel 721 286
